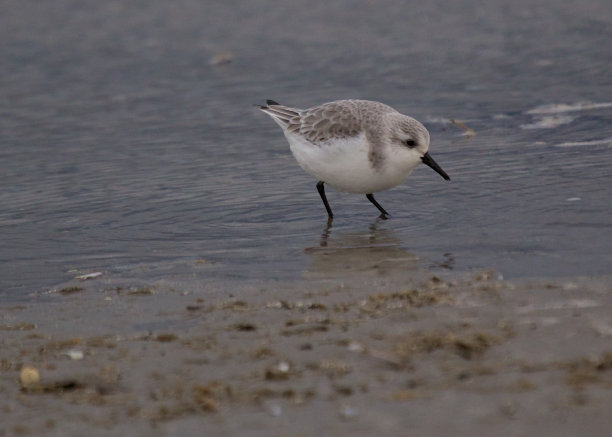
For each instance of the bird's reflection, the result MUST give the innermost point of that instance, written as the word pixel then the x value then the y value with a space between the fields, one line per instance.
pixel 325 233
pixel 374 251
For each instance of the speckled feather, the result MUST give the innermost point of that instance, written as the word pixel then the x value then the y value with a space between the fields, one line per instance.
pixel 333 120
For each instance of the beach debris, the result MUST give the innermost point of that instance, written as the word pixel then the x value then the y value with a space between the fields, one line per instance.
pixel 244 326
pixel 335 368
pixel 281 304
pixel 467 131
pixel 142 291
pixel 488 275
pixel 29 377
pixel 222 58
pixel 404 395
pixel 87 276
pixel 210 396
pixel 283 366
pixel 166 338
pixel 278 371
pixel 70 290
pixel 75 354
pixel 412 297
pixel 205 401
pixel 584 371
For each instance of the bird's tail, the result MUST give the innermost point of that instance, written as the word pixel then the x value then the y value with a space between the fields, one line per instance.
pixel 279 113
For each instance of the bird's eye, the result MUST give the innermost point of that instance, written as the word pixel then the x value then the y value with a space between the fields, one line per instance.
pixel 410 143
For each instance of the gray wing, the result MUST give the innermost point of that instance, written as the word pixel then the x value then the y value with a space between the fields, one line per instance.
pixel 320 123
pixel 329 121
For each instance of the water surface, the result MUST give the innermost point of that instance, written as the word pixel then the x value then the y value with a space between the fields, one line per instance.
pixel 124 150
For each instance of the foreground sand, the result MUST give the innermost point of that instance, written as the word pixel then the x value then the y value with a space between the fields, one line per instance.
pixel 392 351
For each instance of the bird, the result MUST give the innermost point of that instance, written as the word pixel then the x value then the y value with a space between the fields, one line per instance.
pixel 354 146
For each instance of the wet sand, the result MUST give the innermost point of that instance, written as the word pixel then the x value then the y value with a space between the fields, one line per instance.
pixel 392 351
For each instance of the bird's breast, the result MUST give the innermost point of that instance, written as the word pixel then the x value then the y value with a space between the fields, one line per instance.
pixel 345 164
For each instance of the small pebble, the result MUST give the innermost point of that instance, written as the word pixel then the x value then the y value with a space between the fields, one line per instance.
pixel 75 354
pixel 29 376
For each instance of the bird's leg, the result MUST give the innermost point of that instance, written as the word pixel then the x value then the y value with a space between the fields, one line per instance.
pixel 321 190
pixel 383 214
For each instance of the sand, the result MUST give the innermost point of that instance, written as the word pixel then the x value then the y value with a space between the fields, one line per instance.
pixel 394 352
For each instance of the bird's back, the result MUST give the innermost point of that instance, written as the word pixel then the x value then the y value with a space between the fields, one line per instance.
pixel 333 120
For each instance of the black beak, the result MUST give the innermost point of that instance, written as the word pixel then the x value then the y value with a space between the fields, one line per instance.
pixel 429 161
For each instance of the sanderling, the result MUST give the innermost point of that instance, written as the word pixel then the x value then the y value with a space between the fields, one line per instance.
pixel 356 146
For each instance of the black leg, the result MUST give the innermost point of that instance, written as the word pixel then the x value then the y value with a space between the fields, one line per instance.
pixel 321 190
pixel 383 214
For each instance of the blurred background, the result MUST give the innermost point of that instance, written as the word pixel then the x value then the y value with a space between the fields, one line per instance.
pixel 129 143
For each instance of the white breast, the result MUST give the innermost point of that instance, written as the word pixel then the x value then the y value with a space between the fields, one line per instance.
pixel 344 164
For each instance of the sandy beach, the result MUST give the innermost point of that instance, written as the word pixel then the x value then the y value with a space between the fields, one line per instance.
pixel 398 352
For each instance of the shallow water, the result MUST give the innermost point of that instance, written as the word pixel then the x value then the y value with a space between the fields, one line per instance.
pixel 124 150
